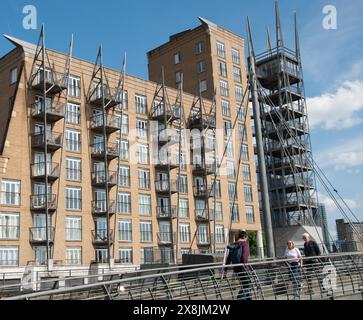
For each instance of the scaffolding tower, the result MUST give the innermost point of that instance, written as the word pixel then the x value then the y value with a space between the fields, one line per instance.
pixel 286 139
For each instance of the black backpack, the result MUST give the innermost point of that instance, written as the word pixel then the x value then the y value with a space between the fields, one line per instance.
pixel 235 252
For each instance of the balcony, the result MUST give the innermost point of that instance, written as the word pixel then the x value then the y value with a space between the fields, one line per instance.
pixel 98 151
pixel 112 123
pixel 203 240
pixel 54 112
pixel 54 141
pixel 99 237
pixel 165 166
pixel 166 238
pixel 52 85
pixel 201 215
pixel 160 114
pixel 201 169
pixel 38 236
pixel 165 136
pixel 285 130
pixel 38 171
pixel 166 212
pixel 199 122
pixel 99 207
pixel 108 100
pixel 38 202
pixel 100 178
pixel 289 166
pixel 292 184
pixel 166 186
pixel 202 192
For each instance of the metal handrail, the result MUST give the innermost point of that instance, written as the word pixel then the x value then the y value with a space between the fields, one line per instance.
pixel 331 276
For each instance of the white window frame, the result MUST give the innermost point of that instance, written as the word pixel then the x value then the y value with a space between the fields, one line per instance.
pixel 125 255
pixel 9 256
pixel 143 179
pixel 124 203
pixel 73 198
pixel 146 231
pixel 73 113
pixel 250 215
pixel 145 204
pixel 74 169
pixel 10 192
pixel 73 140
pixel 184 232
pixel 74 86
pixel 140 104
pixel 124 176
pixel 9 226
pixel 221 51
pixel 236 57
pixel 74 256
pixel 73 228
pixel 224 88
pixel 124 230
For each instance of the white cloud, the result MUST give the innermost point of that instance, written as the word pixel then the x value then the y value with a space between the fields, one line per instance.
pixel 338 110
pixel 347 156
pixel 331 207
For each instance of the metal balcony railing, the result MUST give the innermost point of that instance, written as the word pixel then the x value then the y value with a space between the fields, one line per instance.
pixel 39 235
pixel 100 178
pixel 202 215
pixel 326 277
pixel 164 212
pixel 38 202
pixel 202 191
pixel 54 112
pixel 166 186
pixel 100 237
pixel 112 123
pixel 100 207
pixel 54 140
pixel 166 238
pixel 98 150
pixel 38 170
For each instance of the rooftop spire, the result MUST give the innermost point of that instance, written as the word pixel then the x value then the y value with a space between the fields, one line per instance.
pixel 279 37
pixel 268 40
pixel 297 41
pixel 250 42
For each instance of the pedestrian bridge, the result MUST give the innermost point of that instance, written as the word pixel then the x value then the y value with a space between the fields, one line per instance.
pixel 338 276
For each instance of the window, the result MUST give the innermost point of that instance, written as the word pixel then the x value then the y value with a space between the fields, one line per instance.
pixel 242 132
pixel 102 255
pixel 222 68
pixel 10 192
pixel 73 229
pixel 234 212
pixel 184 232
pixel 177 58
pixel 73 140
pixel 183 184
pixel 40 255
pixel 246 172
pixel 199 47
pixel 74 86
pixel 226 110
pixel 229 148
pixel 227 127
pixel 73 114
pixel 145 204
pixel 143 178
pixel 124 176
pixel 221 50
pixel 241 111
pixel 239 93
pixel 201 66
pixel 224 88
pixel 142 128
pixel 166 255
pixel 125 255
pixel 73 198
pixel 124 149
pixel 124 230
pixel 202 85
pixel 219 234
pixel 9 256
pixel 232 191
pixel 183 208
pixel 73 167
pixel 237 74
pixel 250 216
pixel 124 203
pixel 202 233
pixel 142 153
pixel 216 188
pixel 13 75
pixel 124 98
pixel 141 104
pixel 236 56
pixel 244 150
pixel 73 255
pixel 231 174
pixel 178 76
pixel 145 231
pixel 218 211
pixel 146 255
pixel 124 123
pixel 248 193
pixel 9 226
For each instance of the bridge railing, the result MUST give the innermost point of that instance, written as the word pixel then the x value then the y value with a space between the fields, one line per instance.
pixel 324 277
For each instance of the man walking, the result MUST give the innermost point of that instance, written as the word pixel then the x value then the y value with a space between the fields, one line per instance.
pixel 311 249
pixel 239 253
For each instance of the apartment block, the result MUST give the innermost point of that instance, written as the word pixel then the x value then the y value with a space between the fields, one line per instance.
pixel 81 175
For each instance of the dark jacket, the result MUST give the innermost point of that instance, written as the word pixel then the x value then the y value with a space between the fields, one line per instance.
pixel 245 254
pixel 311 249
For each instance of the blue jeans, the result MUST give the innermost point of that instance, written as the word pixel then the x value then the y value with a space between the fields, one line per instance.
pixel 295 276
pixel 245 293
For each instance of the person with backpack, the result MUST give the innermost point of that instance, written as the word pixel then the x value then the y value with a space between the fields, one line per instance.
pixel 238 253
pixel 311 249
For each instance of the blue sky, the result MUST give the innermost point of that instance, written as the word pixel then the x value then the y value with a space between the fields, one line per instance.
pixel 332 59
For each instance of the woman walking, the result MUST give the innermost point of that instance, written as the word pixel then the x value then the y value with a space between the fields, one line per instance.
pixel 295 262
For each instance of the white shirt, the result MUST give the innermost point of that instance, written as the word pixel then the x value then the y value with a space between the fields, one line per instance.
pixel 293 254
